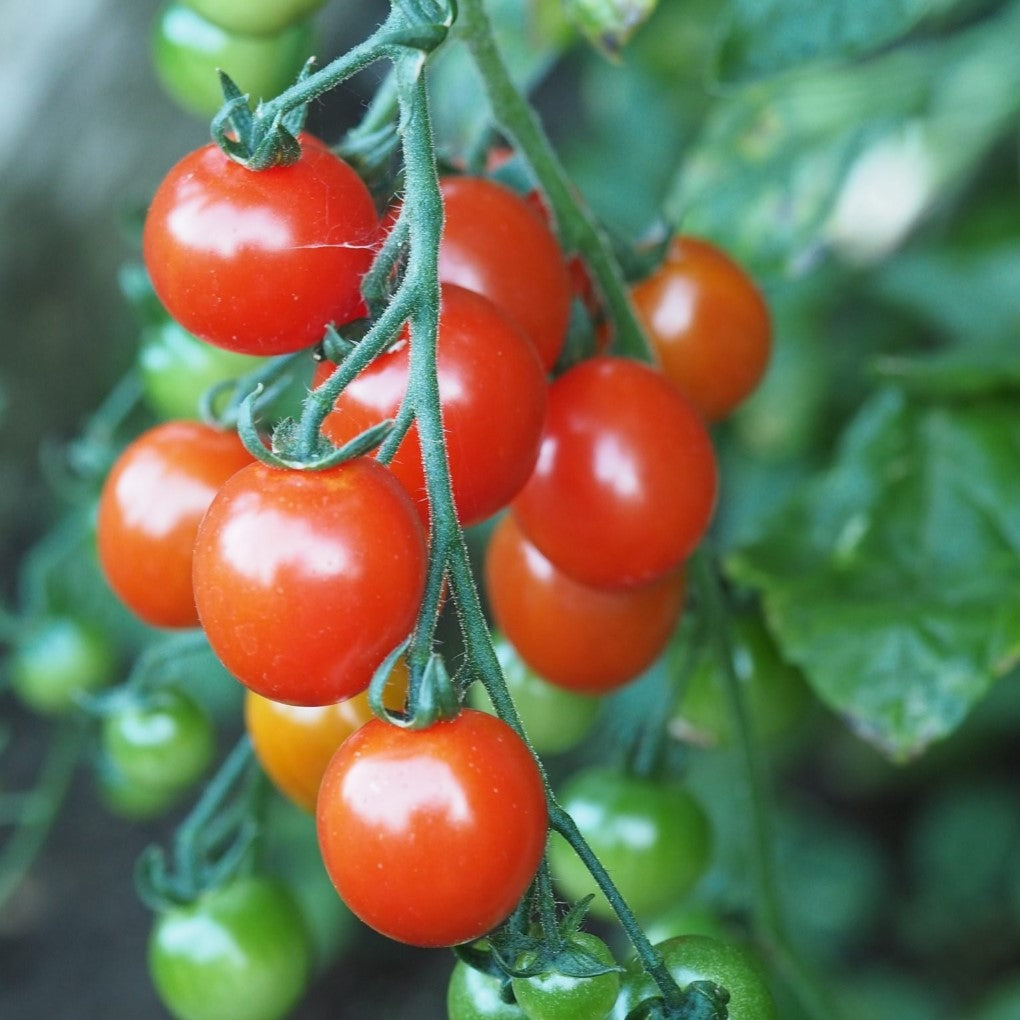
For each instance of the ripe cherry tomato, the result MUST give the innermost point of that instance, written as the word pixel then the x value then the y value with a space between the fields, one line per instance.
pixel 625 482
pixel 306 580
pixel 708 325
pixel 239 952
pixel 260 262
pixel 496 244
pixel 555 996
pixel 573 635
pixel 432 836
pixel 493 395
pixel 554 719
pixel 652 837
pixel 255 17
pixel 149 511
pixel 294 743
pixel 700 958
pixel 188 49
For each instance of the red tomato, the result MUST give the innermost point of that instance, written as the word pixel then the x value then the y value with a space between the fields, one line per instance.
pixel 306 580
pixel 294 743
pixel 582 638
pixel 493 394
pixel 149 512
pixel 708 325
pixel 260 262
pixel 625 482
pixel 496 244
pixel 432 836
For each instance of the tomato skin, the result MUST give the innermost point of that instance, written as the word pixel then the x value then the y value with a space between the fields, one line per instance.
pixel 554 719
pixel 432 836
pixel 255 17
pixel 474 995
pixel 653 838
pixel 625 483
pixel 149 511
pixel 554 996
pixel 708 325
pixel 260 262
pixel 294 743
pixel 306 580
pixel 581 638
pixel 493 395
pixel 700 958
pixel 188 49
pixel 495 243
pixel 58 660
pixel 239 952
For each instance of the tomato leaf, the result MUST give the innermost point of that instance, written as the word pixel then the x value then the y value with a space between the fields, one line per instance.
pixel 893 579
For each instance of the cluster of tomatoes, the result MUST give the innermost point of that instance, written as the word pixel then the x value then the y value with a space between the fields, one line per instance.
pixel 304 581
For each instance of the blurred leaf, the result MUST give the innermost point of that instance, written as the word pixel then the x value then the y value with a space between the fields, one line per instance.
pixel 893 580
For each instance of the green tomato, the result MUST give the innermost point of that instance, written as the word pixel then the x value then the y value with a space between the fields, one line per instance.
pixel 653 838
pixel 553 996
pixel 187 51
pixel 474 995
pixel 255 17
pixel 163 742
pixel 700 958
pixel 554 719
pixel 177 369
pixel 777 696
pixel 58 660
pixel 238 952
pixel 685 918
pixel 128 799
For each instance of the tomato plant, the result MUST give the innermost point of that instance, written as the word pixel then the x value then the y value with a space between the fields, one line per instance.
pixel 653 838
pixel 708 325
pixel 260 262
pixel 625 482
pixel 239 952
pixel 493 394
pixel 336 557
pixel 188 50
pixel 149 512
pixel 432 836
pixel 496 244
pixel 574 635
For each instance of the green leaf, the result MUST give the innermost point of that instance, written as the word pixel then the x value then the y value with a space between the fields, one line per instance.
pixel 893 580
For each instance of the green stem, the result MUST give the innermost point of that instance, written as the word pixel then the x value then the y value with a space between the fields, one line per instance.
pixel 767 906
pixel 578 228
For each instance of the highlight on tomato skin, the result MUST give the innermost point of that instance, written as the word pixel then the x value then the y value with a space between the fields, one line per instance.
pixel 576 636
pixel 708 325
pixel 432 836
pixel 306 580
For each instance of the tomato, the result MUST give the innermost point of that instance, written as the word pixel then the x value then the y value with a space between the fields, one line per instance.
pixel 496 244
pixel 708 325
pixel 239 952
pixel 700 958
pixel 188 50
pixel 294 743
pixel 56 661
pixel 554 996
pixel 625 482
pixel 554 719
pixel 474 995
pixel 573 635
pixel 777 696
pixel 653 838
pixel 260 262
pixel 164 742
pixel 177 369
pixel 149 511
pixel 432 836
pixel 493 395
pixel 255 17
pixel 306 580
